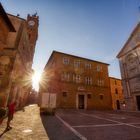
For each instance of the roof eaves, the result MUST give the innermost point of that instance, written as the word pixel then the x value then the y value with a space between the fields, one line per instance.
pixel 80 57
pixel 7 20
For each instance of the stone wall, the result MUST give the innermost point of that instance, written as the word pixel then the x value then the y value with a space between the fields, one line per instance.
pixel 96 95
pixel 117 93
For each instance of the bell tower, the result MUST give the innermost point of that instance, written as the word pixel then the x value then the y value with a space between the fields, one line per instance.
pixel 32 27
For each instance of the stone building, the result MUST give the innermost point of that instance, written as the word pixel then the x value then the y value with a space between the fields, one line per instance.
pixel 129 59
pixel 16 56
pixel 78 82
pixel 5 27
pixel 117 93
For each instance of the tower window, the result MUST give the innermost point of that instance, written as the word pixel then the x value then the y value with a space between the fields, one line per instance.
pixel 116 91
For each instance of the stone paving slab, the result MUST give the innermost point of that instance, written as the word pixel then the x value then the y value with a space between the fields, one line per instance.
pixel 26 125
pixel 92 125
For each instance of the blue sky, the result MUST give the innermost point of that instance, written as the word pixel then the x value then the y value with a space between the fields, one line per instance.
pixel 94 29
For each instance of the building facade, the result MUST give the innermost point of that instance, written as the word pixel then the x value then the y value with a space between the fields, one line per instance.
pixel 78 82
pixel 117 94
pixel 129 59
pixel 16 58
pixel 6 27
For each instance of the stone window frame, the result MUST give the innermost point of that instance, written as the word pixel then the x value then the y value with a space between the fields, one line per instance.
pixel 66 61
pixel 100 82
pixel 65 76
pixel 78 78
pixel 88 80
pixel 88 65
pixel 77 63
pixel 99 68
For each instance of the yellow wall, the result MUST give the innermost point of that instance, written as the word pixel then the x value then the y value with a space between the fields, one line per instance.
pixel 55 68
pixel 116 84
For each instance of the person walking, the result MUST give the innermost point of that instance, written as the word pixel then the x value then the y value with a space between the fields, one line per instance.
pixel 11 111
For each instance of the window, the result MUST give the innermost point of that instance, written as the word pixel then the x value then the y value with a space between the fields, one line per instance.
pixel 116 91
pixel 77 63
pixel 64 94
pixel 65 61
pixel 100 82
pixel 99 68
pixel 65 76
pixel 89 96
pixel 74 77
pixel 78 78
pixel 88 80
pixel 115 82
pixel 101 96
pixel 88 66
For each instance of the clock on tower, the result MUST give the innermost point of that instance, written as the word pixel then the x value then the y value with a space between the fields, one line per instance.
pixel 31 23
pixel 32 27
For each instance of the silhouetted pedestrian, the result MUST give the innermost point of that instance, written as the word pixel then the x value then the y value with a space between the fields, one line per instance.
pixel 11 111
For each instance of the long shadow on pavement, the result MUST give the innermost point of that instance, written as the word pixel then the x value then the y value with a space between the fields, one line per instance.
pixel 6 130
pixel 56 130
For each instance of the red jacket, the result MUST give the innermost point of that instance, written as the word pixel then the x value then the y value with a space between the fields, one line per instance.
pixel 11 108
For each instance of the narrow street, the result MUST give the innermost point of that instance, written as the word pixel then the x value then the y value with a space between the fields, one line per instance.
pixel 26 125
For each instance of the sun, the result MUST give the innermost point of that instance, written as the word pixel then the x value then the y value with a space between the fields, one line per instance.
pixel 35 80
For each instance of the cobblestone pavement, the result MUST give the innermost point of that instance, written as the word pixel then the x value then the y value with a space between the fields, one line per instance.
pixel 26 125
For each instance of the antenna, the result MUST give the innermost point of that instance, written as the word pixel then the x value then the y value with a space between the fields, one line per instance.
pixel 35 14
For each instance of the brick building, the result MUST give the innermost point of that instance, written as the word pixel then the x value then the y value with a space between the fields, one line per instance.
pixel 78 82
pixel 117 93
pixel 16 56
pixel 6 27
pixel 129 59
